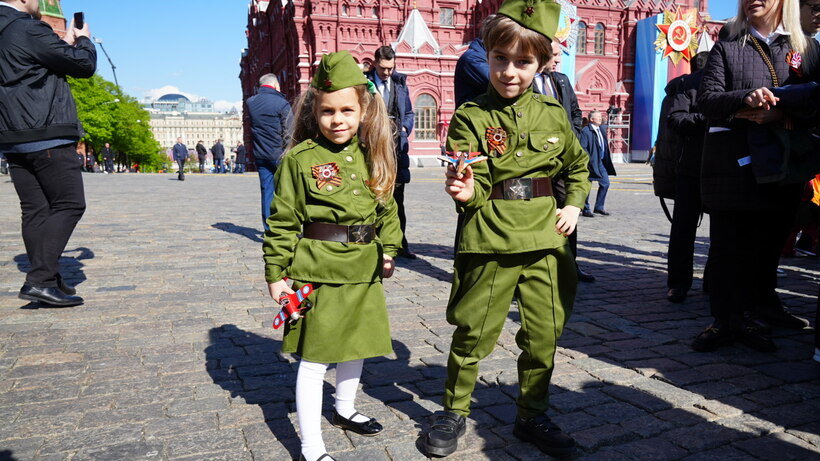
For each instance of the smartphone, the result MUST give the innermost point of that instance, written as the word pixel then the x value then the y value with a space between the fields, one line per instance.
pixel 79 20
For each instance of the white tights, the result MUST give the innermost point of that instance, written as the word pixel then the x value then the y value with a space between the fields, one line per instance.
pixel 309 382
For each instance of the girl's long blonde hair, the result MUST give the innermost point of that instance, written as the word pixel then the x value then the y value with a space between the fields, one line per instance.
pixel 375 136
pixel 789 16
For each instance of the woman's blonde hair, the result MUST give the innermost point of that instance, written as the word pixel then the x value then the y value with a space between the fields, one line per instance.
pixel 788 16
pixel 375 136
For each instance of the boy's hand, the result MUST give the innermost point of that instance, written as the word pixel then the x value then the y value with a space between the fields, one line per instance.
pixel 460 186
pixel 276 289
pixel 387 267
pixel 567 219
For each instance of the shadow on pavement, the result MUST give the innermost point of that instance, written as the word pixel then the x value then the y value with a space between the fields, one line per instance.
pixel 248 232
pixel 7 455
pixel 424 267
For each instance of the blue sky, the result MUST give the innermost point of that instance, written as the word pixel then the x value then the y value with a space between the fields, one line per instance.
pixel 191 46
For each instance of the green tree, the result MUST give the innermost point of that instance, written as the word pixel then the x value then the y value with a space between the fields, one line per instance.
pixel 109 115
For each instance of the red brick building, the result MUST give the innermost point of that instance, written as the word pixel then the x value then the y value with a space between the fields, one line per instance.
pixel 288 38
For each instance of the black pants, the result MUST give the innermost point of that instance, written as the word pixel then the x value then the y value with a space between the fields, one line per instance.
pixel 201 164
pixel 109 165
pixel 398 195
pixel 49 184
pixel 181 173
pixel 744 255
pixel 685 217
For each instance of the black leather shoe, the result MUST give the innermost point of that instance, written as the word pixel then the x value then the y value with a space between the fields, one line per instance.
pixel 585 276
pixel 442 440
pixel 64 287
pixel 781 317
pixel 676 295
pixel 49 295
pixel 587 214
pixel 324 457
pixel 544 434
pixel 602 212
pixel 368 428
pixel 756 335
pixel 717 335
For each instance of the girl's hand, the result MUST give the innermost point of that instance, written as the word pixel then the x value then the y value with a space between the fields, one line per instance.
pixel 276 289
pixel 761 98
pixel 387 267
pixel 567 219
pixel 460 186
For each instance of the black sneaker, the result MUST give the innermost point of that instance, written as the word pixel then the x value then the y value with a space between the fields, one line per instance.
pixel 756 336
pixel 442 440
pixel 544 434
pixel 717 335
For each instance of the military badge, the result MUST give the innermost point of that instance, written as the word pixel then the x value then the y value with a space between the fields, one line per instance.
pixel 795 60
pixel 326 173
pixel 497 139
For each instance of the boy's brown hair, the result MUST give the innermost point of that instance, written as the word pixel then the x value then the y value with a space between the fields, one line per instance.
pixel 503 32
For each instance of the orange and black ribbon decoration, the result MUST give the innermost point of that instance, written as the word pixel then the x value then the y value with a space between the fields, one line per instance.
pixel 326 173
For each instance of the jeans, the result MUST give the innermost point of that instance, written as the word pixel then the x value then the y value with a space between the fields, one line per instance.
pixel 240 168
pixel 603 187
pixel 266 170
pixel 219 165
pixel 49 184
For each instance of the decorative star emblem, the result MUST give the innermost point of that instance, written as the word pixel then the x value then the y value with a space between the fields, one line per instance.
pixel 677 35
pixel 327 83
pixel 529 11
pixel 360 234
pixel 519 190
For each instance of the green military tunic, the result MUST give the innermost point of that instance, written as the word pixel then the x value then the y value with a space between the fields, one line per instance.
pixel 510 247
pixel 319 181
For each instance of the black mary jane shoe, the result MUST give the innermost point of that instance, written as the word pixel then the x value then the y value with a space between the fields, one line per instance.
pixel 368 428
pixel 324 457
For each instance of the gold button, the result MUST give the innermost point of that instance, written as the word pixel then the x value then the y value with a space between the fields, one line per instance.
pixel 310 142
pixel 519 154
pixel 349 158
pixel 520 114
pixel 353 176
pixel 523 135
pixel 356 192
pixel 329 187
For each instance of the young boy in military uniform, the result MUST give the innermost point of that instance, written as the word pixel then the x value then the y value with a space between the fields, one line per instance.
pixel 514 237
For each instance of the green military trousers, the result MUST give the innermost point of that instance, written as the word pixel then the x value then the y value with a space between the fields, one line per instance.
pixel 544 283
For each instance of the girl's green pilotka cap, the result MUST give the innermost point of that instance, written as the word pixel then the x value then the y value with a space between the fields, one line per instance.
pixel 338 71
pixel 537 15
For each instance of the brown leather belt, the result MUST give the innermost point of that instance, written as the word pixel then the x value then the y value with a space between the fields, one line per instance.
pixel 338 233
pixel 522 189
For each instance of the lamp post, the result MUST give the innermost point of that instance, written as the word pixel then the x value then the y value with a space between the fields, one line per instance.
pixel 113 67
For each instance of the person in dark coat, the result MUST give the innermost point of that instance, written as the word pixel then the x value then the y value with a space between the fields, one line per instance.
pixel 180 156
pixel 472 73
pixel 689 126
pixel 393 87
pixel 201 155
pixel 108 158
pixel 553 83
pixel 270 117
pixel 241 158
pixel 218 151
pixel 39 131
pixel 749 217
pixel 595 143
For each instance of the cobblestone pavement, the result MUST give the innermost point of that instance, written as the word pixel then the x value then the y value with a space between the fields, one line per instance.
pixel 173 356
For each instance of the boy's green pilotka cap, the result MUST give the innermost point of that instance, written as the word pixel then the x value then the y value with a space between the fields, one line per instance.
pixel 338 71
pixel 537 15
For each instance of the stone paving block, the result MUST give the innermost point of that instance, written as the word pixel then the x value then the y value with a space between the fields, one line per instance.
pixel 703 436
pixel 605 435
pixel 637 398
pixel 791 415
pixel 725 453
pixel 568 402
pixel 118 416
pixel 779 446
pixel 809 433
pixel 21 448
pixel 223 456
pixel 230 440
pixel 133 450
pixel 92 438
pixel 176 426
pixel 672 394
pixel 647 425
pixel 650 449
pixel 614 412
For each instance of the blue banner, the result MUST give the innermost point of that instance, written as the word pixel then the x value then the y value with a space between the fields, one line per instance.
pixel 651 74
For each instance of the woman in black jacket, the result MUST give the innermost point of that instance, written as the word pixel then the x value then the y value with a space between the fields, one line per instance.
pixel 751 204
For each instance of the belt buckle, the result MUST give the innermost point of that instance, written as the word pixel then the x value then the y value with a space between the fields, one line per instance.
pixel 359 234
pixel 518 189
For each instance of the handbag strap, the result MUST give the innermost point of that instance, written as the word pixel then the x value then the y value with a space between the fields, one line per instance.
pixel 759 48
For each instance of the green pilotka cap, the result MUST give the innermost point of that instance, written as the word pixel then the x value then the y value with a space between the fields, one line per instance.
pixel 537 15
pixel 337 71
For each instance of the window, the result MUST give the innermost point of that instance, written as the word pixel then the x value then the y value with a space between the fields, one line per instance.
pixel 446 16
pixel 600 35
pixel 344 10
pixel 359 11
pixel 581 46
pixel 375 12
pixel 426 118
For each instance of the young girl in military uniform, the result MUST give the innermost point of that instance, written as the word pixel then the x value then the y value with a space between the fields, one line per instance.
pixel 334 224
pixel 513 241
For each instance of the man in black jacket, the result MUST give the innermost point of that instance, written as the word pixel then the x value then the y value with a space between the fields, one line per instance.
pixel 269 112
pixel 108 158
pixel 392 86
pixel 241 158
pixel 201 155
pixel 39 130
pixel 218 151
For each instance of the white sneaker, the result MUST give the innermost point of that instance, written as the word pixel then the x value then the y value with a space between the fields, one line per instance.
pixel 817 354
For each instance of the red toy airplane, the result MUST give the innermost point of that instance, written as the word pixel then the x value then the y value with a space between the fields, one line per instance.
pixel 290 306
pixel 460 160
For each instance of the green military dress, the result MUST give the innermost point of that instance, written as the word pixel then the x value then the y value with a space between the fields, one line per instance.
pixel 510 248
pixel 349 318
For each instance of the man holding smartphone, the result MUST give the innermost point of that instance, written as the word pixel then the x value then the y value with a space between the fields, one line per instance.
pixel 39 130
